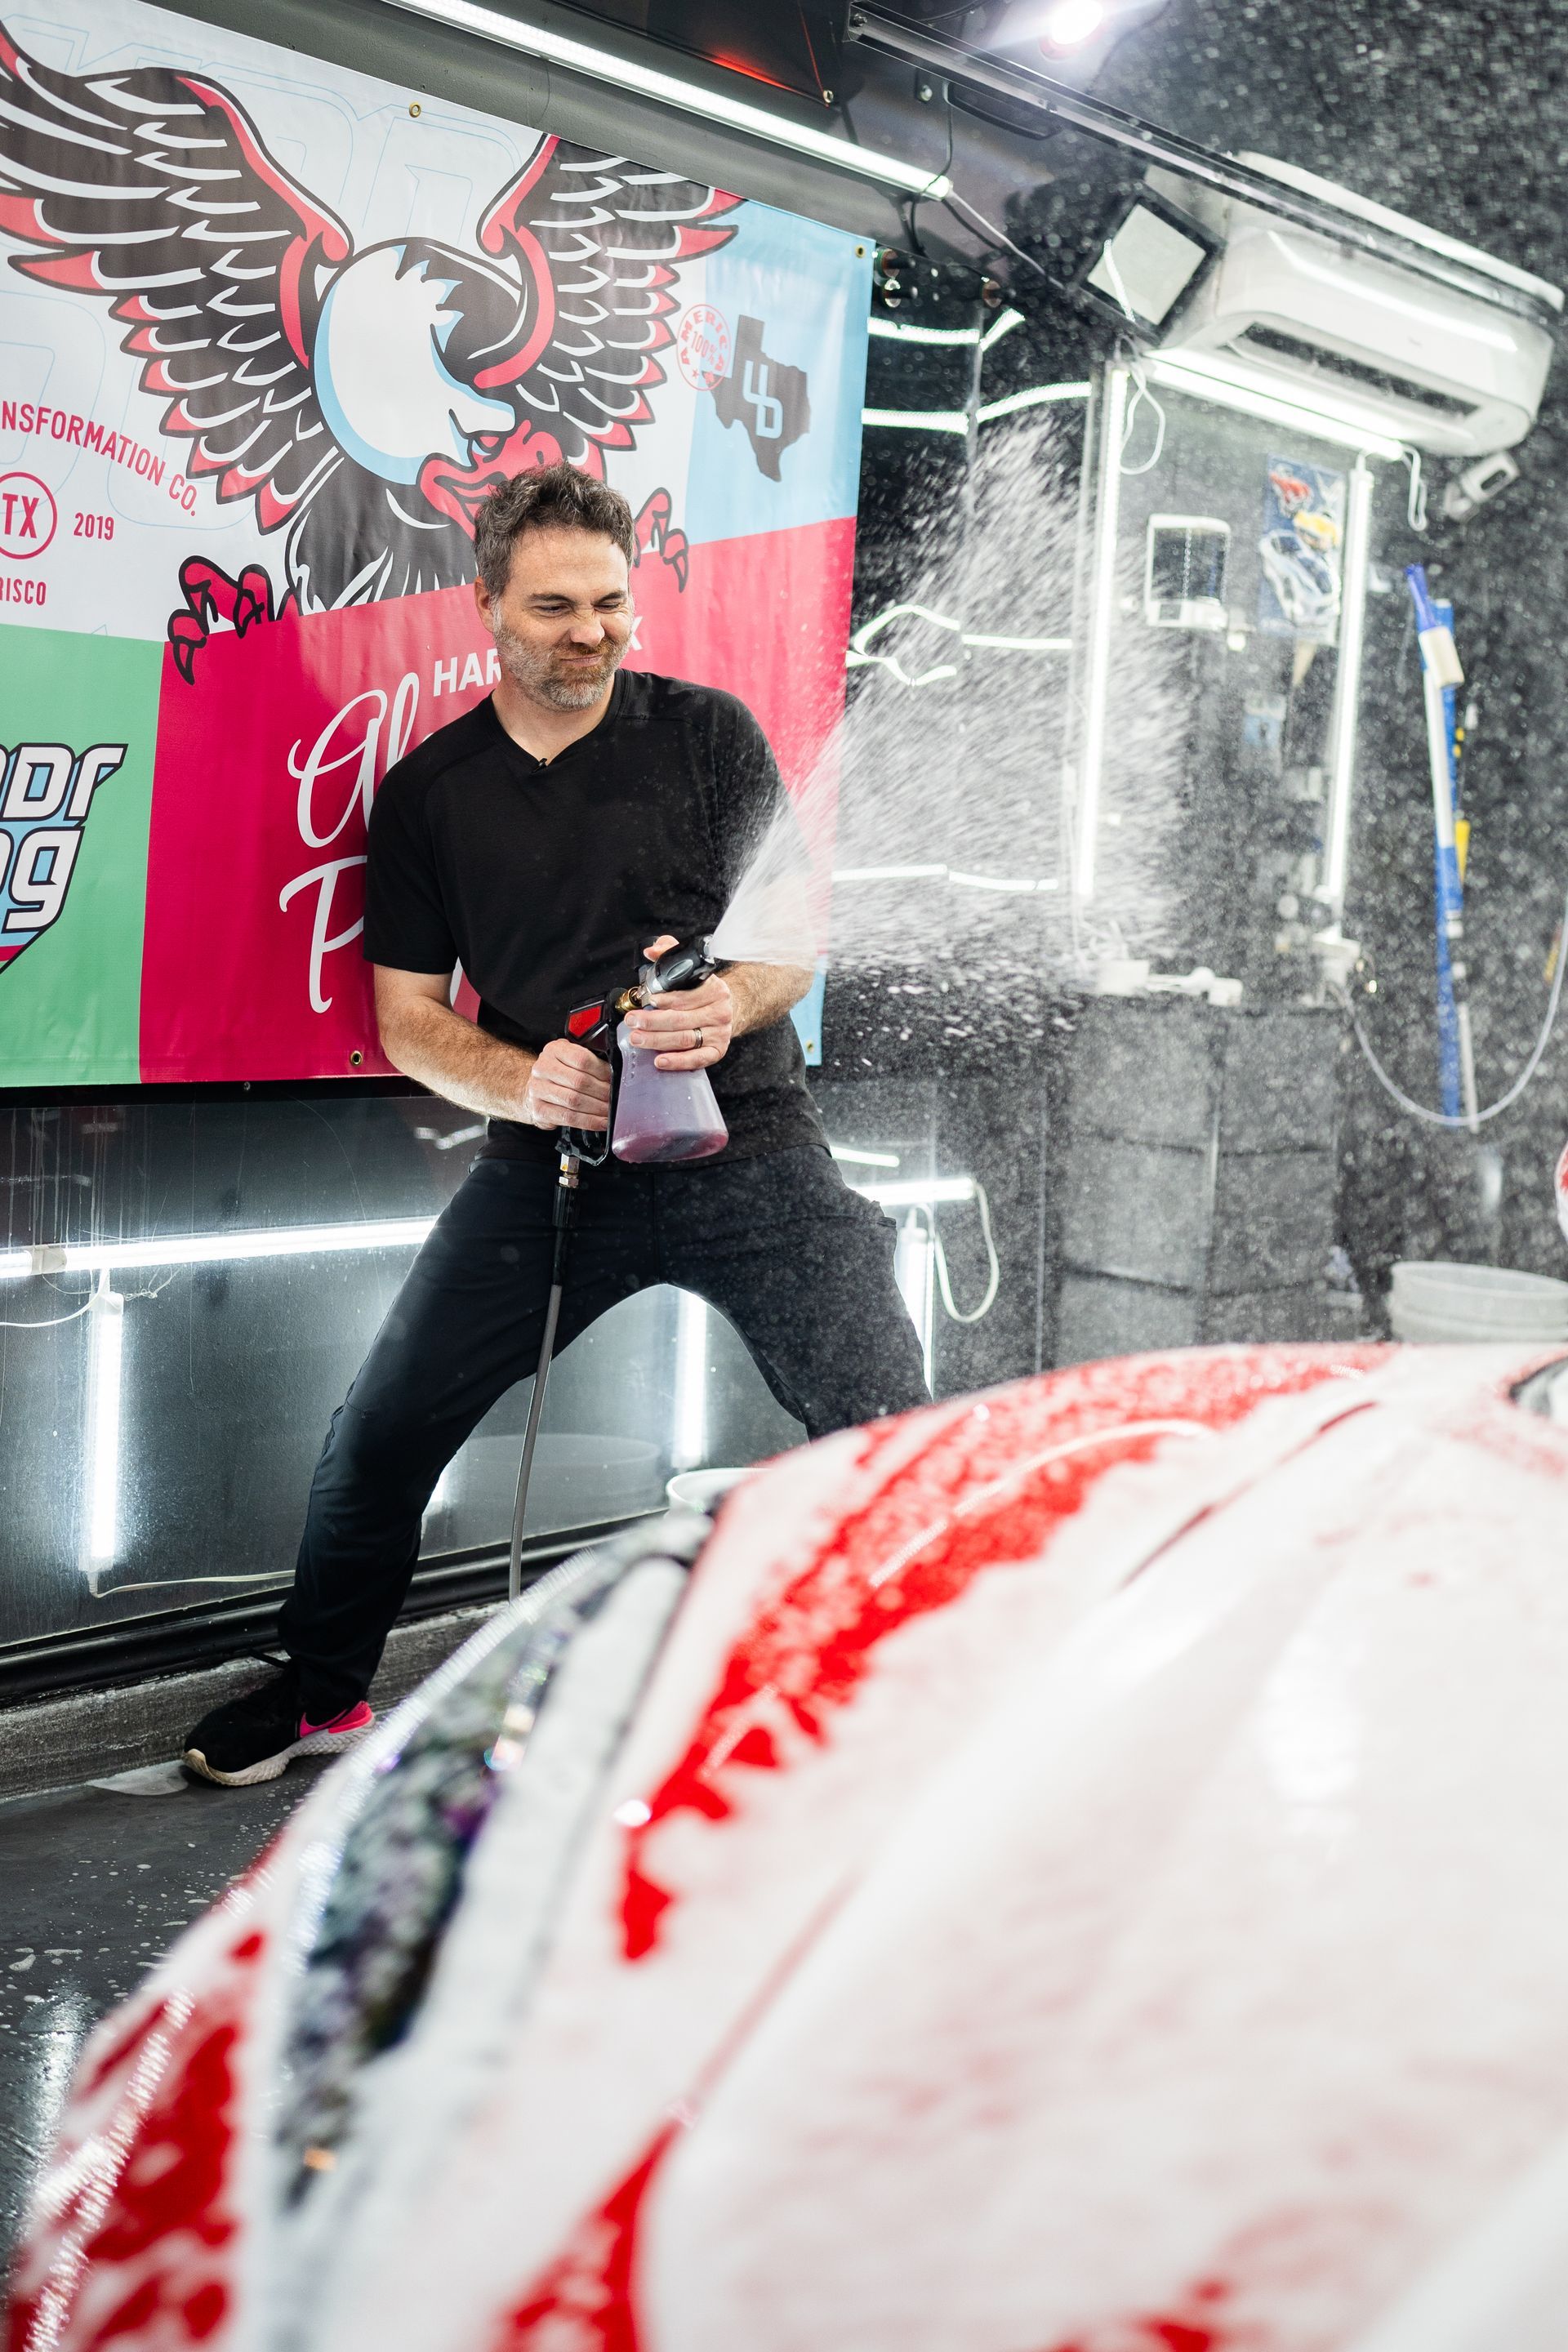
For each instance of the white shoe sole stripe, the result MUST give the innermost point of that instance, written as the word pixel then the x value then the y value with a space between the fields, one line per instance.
pixel 271 1768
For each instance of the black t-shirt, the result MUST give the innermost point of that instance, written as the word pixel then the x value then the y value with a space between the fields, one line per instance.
pixel 546 881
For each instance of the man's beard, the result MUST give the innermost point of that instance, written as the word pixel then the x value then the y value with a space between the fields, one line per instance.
pixel 576 688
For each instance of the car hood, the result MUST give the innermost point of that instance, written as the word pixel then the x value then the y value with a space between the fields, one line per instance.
pixel 1082 1874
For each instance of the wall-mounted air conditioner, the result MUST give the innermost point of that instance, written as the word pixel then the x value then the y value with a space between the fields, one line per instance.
pixel 1440 365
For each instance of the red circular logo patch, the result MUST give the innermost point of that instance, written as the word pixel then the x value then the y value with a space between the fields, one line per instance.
pixel 27 517
pixel 704 345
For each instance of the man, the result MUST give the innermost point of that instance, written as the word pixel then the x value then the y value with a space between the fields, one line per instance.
pixel 582 817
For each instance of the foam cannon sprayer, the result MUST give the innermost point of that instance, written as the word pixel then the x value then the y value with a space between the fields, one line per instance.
pixel 657 1117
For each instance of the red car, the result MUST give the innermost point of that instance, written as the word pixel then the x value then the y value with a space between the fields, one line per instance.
pixel 1080 1869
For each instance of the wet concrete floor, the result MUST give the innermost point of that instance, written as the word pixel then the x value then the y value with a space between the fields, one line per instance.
pixel 95 1885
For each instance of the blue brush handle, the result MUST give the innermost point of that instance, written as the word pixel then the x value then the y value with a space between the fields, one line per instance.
pixel 1421 597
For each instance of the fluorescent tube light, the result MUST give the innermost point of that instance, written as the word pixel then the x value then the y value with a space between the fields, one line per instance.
pixel 689 98
pixel 918 420
pixel 913 1257
pixel 1205 377
pixel 101 1492
pixel 1343 716
pixel 208 1249
pixel 1036 396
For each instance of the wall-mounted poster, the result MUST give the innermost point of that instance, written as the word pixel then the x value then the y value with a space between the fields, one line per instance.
pixel 1302 552
pixel 269 331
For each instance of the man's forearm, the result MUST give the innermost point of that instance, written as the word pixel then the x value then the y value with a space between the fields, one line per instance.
pixel 763 993
pixel 457 1061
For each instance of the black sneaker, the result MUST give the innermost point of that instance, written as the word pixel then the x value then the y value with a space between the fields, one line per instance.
pixel 256 1737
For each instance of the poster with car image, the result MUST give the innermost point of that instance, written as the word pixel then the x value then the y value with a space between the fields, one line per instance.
pixel 1300 552
pixel 269 331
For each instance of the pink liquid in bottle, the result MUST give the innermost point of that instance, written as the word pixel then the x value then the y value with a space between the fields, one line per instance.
pixel 663 1115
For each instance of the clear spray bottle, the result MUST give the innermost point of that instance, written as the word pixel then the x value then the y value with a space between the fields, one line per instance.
pixel 664 1116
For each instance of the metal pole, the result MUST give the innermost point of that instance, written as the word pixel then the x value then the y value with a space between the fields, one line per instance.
pixel 565 1213
pixel 531 1439
pixel 1113 422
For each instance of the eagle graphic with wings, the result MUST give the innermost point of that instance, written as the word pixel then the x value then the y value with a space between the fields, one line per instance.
pixel 364 401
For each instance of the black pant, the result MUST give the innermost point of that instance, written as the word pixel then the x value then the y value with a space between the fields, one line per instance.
pixel 800 1265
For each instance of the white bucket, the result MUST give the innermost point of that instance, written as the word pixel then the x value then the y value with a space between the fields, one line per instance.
pixel 1448 1303
pixel 702 1490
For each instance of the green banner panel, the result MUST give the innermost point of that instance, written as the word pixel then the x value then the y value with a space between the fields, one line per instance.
pixel 78 722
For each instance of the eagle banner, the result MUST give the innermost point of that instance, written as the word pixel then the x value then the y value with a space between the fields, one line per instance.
pixel 269 331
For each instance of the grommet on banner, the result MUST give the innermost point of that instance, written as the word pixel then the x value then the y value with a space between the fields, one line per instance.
pixel 355 1058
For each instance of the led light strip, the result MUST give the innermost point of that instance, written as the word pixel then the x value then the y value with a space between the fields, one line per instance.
pixel 210 1249
pixel 860 656
pixel 918 420
pixel 864 1158
pixel 943 873
pixel 916 1194
pixel 956 420
pixel 902 331
pixel 1228 386
pixel 897 330
pixel 646 81
pixel 1037 396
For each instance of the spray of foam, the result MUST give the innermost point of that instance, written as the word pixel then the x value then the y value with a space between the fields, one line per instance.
pixel 938 825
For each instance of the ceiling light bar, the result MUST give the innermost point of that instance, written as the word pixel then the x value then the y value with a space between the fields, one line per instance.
pixel 689 98
pixel 212 1249
pixel 1035 397
pixel 1203 378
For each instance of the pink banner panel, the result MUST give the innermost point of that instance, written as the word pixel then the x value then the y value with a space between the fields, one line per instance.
pixel 269 760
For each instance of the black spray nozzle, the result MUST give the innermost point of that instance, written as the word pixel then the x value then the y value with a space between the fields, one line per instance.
pixel 677 968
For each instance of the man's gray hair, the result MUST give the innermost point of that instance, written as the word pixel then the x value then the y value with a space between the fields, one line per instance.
pixel 549 498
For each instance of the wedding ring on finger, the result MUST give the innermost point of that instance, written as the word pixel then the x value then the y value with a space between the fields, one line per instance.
pixel 697 1041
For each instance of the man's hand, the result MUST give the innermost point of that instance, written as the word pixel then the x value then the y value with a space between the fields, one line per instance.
pixel 565 1086
pixel 568 1086
pixel 689 1029
pixel 692 1028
